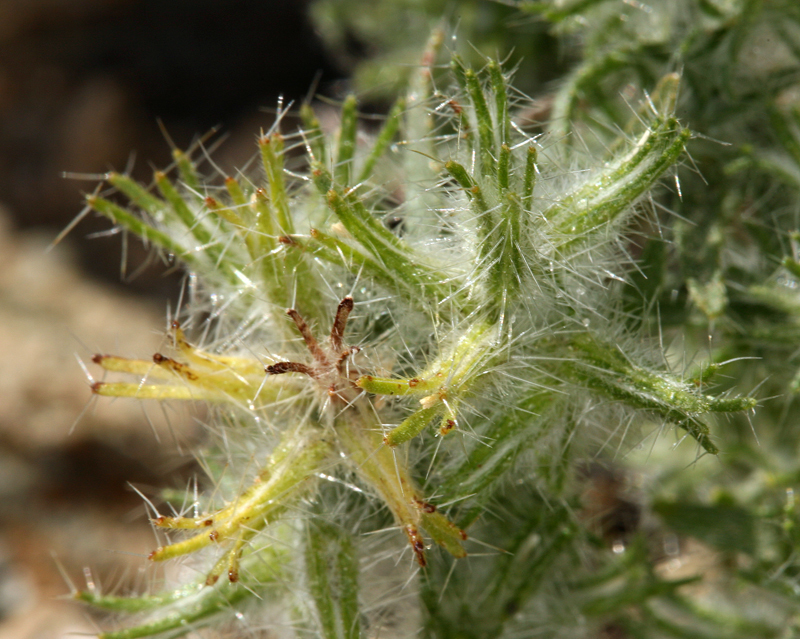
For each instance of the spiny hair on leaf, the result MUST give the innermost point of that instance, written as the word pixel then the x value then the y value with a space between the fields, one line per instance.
pixel 388 385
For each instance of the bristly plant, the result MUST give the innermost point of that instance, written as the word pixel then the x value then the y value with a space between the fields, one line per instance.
pixel 410 343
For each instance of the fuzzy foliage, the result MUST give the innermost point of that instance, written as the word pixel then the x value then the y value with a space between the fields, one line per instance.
pixel 471 299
